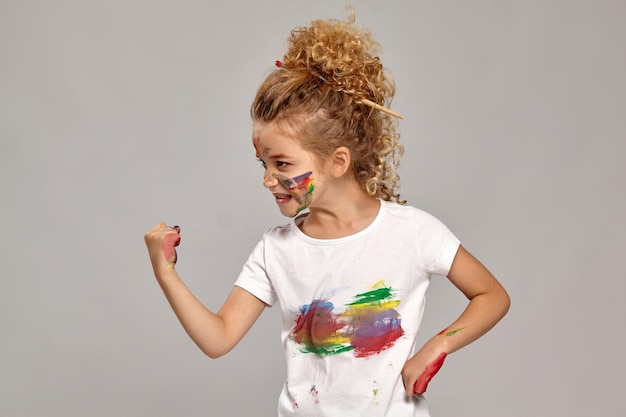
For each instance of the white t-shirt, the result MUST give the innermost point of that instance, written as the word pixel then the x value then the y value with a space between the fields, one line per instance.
pixel 351 309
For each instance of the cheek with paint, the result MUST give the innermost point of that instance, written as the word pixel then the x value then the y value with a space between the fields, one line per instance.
pixel 301 187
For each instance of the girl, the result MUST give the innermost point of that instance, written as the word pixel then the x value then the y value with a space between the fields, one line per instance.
pixel 351 269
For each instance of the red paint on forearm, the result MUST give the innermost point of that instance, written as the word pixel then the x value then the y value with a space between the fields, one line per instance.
pixel 422 382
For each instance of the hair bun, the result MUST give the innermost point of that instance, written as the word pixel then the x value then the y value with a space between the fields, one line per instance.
pixel 340 55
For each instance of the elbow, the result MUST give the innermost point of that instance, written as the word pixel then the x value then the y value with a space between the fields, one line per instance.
pixel 215 353
pixel 505 302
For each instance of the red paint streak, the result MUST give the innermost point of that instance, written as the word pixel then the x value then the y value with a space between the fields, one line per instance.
pixel 316 325
pixel 372 345
pixel 170 241
pixel 422 382
pixel 375 331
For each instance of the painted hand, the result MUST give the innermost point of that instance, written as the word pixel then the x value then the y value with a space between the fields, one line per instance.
pixel 422 382
pixel 170 241
pixel 161 242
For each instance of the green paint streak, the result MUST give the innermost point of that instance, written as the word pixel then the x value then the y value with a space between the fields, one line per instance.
pixel 305 199
pixel 287 182
pixel 373 296
pixel 327 350
pixel 453 332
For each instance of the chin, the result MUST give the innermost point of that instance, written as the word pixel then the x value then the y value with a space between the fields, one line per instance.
pixel 291 212
pixel 287 212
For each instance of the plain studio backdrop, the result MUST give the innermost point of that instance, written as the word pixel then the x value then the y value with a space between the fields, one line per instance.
pixel 116 115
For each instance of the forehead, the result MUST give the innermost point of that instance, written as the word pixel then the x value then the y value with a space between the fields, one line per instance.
pixel 269 137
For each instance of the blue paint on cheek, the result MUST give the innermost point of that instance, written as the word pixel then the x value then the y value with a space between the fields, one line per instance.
pixel 302 177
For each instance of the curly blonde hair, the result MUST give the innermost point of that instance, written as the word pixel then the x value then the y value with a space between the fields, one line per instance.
pixel 316 91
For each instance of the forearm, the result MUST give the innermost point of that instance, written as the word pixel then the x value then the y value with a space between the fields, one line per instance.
pixel 481 314
pixel 205 328
pixel 488 303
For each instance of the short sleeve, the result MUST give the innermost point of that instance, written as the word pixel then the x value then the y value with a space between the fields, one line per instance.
pixel 253 277
pixel 439 244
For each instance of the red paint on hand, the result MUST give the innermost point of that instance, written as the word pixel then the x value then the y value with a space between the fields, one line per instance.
pixel 422 382
pixel 170 242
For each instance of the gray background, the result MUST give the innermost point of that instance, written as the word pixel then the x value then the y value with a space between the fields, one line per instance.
pixel 116 115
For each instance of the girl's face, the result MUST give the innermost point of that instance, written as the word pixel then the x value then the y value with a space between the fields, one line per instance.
pixel 291 172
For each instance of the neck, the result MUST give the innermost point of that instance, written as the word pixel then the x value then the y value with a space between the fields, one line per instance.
pixel 342 217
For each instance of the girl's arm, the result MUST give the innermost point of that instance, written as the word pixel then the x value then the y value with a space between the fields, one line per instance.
pixel 214 333
pixel 489 302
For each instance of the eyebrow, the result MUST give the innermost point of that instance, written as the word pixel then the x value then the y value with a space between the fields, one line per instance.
pixel 279 156
pixel 275 156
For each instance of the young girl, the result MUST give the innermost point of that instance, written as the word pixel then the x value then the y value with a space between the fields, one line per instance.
pixel 351 269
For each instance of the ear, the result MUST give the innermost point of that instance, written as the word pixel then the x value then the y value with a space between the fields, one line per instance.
pixel 340 161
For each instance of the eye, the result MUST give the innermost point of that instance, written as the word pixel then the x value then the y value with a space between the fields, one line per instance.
pixel 262 162
pixel 281 164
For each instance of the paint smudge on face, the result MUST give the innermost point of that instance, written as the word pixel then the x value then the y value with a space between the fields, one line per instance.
pixel 368 325
pixel 448 333
pixel 301 187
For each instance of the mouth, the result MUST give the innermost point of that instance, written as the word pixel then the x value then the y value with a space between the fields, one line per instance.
pixel 282 198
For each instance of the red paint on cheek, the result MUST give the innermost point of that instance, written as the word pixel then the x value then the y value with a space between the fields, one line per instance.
pixel 170 242
pixel 422 382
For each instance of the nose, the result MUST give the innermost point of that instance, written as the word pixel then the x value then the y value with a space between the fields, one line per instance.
pixel 269 180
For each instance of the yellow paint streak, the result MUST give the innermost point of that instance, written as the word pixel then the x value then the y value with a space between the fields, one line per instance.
pixel 379 284
pixel 379 307
pixel 337 340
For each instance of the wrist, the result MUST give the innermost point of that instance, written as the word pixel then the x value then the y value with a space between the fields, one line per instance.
pixel 163 269
pixel 448 340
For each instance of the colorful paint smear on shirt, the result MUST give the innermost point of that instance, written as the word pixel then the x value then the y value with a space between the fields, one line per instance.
pixel 367 326
pixel 318 329
pixel 376 323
